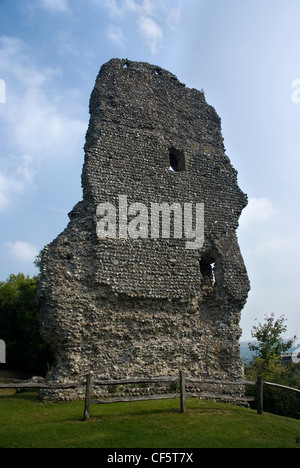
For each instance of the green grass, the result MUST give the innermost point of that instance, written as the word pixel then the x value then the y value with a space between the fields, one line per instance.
pixel 25 422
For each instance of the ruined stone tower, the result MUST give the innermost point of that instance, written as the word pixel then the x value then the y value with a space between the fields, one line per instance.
pixel 140 306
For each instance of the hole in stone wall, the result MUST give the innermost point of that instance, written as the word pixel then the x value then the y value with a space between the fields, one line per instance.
pixel 177 160
pixel 207 269
pixel 213 272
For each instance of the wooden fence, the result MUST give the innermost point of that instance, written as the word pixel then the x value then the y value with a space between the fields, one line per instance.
pixel 181 380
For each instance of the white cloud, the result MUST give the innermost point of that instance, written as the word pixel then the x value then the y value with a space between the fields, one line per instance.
pixel 273 245
pixel 37 122
pixel 41 126
pixel 23 251
pixel 115 10
pixel 257 210
pixel 151 17
pixel 36 114
pixel 151 32
pixel 55 6
pixel 174 15
pixel 15 62
pixel 115 34
pixel 15 176
pixel 145 7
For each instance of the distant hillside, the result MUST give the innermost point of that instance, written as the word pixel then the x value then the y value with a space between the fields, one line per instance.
pixel 247 355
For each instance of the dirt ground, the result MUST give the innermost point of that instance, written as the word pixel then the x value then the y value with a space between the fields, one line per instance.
pixel 7 376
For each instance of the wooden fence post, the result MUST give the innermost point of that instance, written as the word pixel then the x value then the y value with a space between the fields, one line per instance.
pixel 260 395
pixel 182 392
pixel 88 388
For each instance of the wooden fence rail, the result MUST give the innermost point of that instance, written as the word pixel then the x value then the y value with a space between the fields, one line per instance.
pixel 260 392
pixel 41 385
pixel 270 384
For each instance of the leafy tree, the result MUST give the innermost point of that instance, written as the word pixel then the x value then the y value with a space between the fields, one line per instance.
pixel 19 326
pixel 270 337
pixel 270 346
pixel 38 262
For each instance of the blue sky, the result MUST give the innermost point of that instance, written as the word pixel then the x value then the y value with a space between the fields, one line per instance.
pixel 244 54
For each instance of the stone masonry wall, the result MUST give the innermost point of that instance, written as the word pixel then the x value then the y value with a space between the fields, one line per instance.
pixel 142 307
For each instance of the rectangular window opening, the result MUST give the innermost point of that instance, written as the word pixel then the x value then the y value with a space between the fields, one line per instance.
pixel 177 160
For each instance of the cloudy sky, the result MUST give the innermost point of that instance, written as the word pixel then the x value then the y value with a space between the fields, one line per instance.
pixel 244 54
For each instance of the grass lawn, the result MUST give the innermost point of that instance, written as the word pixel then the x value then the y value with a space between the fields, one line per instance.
pixel 25 422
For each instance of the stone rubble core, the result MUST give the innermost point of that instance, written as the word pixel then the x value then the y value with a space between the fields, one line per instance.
pixel 147 307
